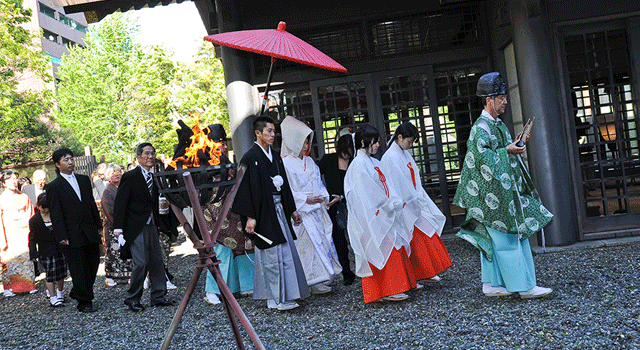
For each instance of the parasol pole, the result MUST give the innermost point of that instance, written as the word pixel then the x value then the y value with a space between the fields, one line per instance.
pixel 266 90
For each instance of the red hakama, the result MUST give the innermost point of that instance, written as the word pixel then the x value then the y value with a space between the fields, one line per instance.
pixel 429 256
pixel 397 276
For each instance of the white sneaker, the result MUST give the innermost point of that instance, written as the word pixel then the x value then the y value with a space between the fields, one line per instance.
pixel 396 297
pixel 320 288
pixel 110 282
pixel 146 283
pixel 287 305
pixel 60 295
pixel 212 298
pixel 418 286
pixel 8 293
pixel 492 291
pixel 535 292
pixel 171 285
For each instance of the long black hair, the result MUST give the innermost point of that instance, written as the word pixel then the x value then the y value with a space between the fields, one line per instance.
pixel 366 135
pixel 407 130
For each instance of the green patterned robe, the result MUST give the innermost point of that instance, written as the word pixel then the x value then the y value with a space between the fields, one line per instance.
pixel 496 189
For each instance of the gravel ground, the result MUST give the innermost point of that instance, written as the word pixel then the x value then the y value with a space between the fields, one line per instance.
pixel 595 305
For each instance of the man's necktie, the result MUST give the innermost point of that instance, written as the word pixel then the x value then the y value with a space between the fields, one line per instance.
pixel 150 183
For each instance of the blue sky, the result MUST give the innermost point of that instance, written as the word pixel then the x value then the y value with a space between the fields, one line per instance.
pixel 176 26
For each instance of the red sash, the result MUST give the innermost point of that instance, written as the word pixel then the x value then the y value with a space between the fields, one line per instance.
pixel 413 175
pixel 383 180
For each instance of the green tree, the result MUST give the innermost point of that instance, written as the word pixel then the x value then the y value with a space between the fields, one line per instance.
pixel 23 110
pixel 199 87
pixel 114 93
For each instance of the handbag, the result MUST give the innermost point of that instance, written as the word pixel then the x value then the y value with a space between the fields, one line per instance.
pixel 341 215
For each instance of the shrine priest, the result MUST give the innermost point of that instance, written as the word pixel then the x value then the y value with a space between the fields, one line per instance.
pixel 503 207
pixel 266 207
pixel 380 243
pixel 421 216
pixel 314 243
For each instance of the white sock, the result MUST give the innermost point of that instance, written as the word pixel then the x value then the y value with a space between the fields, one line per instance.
pixel 60 294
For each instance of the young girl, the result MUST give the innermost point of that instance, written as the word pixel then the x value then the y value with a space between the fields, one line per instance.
pixel 43 245
pixel 380 244
pixel 421 217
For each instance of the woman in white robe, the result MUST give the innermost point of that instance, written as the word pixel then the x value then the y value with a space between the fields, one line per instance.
pixel 314 240
pixel 421 217
pixel 380 243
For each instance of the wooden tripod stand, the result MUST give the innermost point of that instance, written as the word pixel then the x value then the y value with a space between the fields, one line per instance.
pixel 207 259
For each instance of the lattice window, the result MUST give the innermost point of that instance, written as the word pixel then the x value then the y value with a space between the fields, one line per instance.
pixel 444 30
pixel 606 121
pixel 297 103
pixel 405 98
pixel 342 105
pixel 458 108
pixel 342 44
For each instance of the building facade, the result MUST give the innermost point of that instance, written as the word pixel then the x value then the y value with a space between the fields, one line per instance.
pixel 59 29
pixel 571 64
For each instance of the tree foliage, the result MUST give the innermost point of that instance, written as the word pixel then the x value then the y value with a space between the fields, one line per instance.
pixel 115 92
pixel 200 89
pixel 23 109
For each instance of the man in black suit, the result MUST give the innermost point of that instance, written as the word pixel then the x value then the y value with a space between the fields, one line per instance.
pixel 76 223
pixel 136 217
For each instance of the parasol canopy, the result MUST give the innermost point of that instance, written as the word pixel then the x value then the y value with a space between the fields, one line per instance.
pixel 278 44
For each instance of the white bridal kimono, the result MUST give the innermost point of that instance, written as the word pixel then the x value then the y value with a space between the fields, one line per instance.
pixel 314 241
pixel 402 172
pixel 374 221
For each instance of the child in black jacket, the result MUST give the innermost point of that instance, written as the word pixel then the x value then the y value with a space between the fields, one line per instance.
pixel 43 245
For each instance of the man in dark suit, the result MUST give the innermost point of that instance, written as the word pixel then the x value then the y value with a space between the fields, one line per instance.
pixel 136 217
pixel 76 222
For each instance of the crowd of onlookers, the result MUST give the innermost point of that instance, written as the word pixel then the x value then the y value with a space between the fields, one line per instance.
pixel 28 245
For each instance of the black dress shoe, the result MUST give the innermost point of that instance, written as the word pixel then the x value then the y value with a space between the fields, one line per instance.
pixel 134 306
pixel 86 308
pixel 163 302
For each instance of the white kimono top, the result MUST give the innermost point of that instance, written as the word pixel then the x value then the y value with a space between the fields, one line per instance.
pixel 403 174
pixel 374 223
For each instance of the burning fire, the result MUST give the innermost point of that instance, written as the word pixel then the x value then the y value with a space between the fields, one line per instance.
pixel 201 150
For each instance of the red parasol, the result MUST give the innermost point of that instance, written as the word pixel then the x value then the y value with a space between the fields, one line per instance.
pixel 277 43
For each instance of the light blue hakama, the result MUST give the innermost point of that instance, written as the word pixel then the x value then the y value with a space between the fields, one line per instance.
pixel 512 266
pixel 237 272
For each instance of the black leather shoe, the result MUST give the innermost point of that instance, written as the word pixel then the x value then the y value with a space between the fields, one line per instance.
pixel 87 308
pixel 134 306
pixel 163 302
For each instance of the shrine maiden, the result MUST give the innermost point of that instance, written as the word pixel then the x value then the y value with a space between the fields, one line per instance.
pixel 420 216
pixel 380 243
